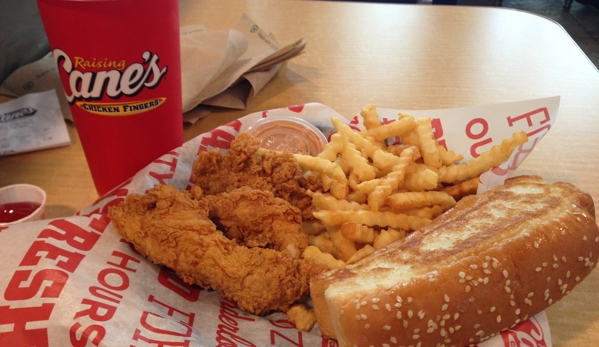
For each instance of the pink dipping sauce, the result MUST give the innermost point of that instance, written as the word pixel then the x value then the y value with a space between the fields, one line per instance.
pixel 290 134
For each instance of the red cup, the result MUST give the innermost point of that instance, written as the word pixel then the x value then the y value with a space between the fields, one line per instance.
pixel 120 66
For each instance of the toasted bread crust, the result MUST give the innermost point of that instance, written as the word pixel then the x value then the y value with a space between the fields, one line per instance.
pixel 492 261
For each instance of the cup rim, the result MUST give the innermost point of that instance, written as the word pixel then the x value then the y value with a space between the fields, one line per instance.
pixel 34 212
pixel 317 139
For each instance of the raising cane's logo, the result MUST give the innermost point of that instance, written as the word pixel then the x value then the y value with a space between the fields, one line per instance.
pixel 85 86
pixel 17 114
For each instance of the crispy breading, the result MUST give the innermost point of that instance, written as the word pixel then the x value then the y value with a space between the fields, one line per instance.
pixel 256 218
pixel 217 171
pixel 172 228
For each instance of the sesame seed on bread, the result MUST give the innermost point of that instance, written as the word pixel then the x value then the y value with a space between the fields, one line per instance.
pixel 494 260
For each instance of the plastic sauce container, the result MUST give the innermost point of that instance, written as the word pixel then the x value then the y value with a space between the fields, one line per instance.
pixel 21 203
pixel 290 134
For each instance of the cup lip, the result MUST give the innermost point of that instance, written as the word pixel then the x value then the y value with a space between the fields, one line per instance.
pixel 291 119
pixel 320 140
pixel 31 186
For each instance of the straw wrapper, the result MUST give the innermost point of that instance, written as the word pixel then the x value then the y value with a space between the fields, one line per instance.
pixel 75 282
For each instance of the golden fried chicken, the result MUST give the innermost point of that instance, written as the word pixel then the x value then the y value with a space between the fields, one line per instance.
pixel 256 218
pixel 173 228
pixel 216 172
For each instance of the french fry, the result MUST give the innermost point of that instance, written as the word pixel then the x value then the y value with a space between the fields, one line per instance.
pixel 370 116
pixel 384 161
pixel 303 318
pixel 408 200
pixel 400 127
pixel 327 182
pixel 388 236
pixel 487 160
pixel 358 233
pixel 333 148
pixel 361 254
pixel 381 219
pixel 353 181
pixel 324 243
pixel 428 144
pixel 323 166
pixel 357 197
pixel 420 178
pixel 338 187
pixel 410 139
pixel 363 144
pixel 424 212
pixel 368 187
pixel 328 202
pixel 464 188
pixel 449 157
pixel 345 247
pixel 358 164
pixel 390 183
pixel 344 165
pixel 312 252
pixel 397 149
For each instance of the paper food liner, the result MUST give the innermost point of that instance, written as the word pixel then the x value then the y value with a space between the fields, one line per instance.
pixel 75 282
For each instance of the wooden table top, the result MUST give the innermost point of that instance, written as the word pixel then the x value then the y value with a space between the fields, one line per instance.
pixel 403 57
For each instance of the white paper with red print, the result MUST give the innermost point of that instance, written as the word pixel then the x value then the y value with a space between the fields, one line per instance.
pixel 75 282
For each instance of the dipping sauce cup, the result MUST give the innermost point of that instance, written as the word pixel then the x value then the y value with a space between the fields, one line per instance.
pixel 120 66
pixel 290 134
pixel 21 203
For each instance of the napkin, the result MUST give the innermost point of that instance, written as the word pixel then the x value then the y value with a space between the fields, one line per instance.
pixel 224 68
